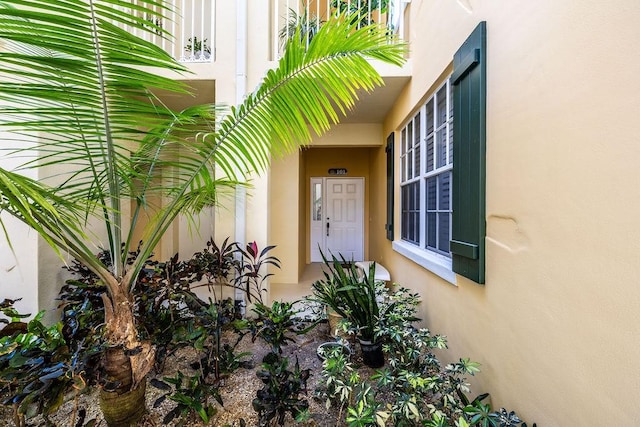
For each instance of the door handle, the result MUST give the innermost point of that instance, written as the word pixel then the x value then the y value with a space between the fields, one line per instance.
pixel 328 227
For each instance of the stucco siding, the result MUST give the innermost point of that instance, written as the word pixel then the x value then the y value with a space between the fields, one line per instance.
pixel 555 326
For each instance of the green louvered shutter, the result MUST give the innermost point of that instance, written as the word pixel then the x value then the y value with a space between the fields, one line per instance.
pixel 469 81
pixel 390 190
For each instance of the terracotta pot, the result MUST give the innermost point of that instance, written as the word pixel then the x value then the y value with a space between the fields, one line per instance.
pixel 333 318
pixel 123 410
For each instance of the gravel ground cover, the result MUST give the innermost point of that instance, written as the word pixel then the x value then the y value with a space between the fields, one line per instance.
pixel 238 391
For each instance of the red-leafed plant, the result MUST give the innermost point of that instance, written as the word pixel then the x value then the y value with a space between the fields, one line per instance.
pixel 251 275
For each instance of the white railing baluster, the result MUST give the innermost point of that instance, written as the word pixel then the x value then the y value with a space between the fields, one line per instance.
pixel 307 24
pixel 213 30
pixel 182 40
pixel 276 33
pixel 203 39
pixel 318 15
pixel 192 30
pixel 174 20
pixel 183 25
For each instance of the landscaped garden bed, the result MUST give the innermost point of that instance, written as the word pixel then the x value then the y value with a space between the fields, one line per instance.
pixel 237 392
pixel 215 366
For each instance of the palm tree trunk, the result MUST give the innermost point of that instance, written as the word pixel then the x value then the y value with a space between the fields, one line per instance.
pixel 127 361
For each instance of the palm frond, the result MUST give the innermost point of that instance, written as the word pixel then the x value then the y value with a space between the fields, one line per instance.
pixel 71 73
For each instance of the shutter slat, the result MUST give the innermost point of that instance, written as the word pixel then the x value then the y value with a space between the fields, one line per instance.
pixel 466 65
pixel 390 184
pixel 467 243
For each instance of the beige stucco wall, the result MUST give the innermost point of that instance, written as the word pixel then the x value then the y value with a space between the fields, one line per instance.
pixel 556 325
pixel 351 135
pixel 284 208
pixel 18 254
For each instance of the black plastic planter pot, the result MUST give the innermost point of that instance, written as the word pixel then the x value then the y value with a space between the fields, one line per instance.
pixel 372 355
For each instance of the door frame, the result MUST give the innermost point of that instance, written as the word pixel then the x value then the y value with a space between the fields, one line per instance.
pixel 316 219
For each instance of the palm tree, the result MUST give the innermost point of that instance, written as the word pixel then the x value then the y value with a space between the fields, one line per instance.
pixel 78 83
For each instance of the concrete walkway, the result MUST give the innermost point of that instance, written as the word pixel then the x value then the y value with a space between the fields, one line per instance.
pixel 294 291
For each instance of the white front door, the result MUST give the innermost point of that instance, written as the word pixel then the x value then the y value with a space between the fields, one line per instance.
pixel 337 218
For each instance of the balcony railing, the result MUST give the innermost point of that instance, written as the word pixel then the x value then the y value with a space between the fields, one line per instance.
pixel 312 13
pixel 192 24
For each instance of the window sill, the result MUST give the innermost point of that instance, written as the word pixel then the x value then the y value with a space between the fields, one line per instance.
pixel 437 264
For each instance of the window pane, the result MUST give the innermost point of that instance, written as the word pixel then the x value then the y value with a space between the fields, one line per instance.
pixel 430 153
pixel 416 143
pixel 431 194
pixel 410 228
pixel 450 143
pixel 416 161
pixel 403 168
pixel 433 139
pixel 441 148
pixel 443 231
pixel 431 229
pixel 404 225
pixel 444 184
pixel 404 202
pixel 416 214
pixel 317 202
pixel 404 140
pixel 429 116
pixel 442 106
pixel 450 99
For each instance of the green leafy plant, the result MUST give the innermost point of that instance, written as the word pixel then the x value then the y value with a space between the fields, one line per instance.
pixel 197 46
pixel 279 395
pixel 8 310
pixel 305 26
pixel 415 388
pixel 192 395
pixel 350 294
pixel 361 11
pixel 339 380
pixel 276 324
pixel 38 368
pixel 216 263
pixel 364 412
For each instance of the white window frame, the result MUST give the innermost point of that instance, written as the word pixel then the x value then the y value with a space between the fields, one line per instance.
pixel 432 259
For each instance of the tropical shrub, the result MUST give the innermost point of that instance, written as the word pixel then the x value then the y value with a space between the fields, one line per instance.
pixel 276 325
pixel 38 366
pixel 414 388
pixel 171 316
pixel 279 395
pixel 250 275
pixel 350 294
